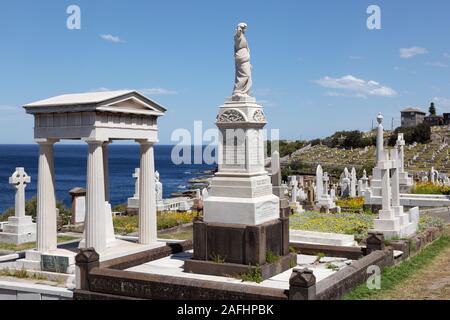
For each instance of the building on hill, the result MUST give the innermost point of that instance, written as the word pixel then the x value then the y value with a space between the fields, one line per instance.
pixel 446 117
pixel 412 117
pixel 434 120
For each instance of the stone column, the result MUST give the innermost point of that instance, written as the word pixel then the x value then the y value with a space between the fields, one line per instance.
pixel 353 182
pixel 106 168
pixel 319 182
pixel 95 198
pixel 276 170
pixel 401 151
pixel 147 197
pixel 386 189
pixel 395 183
pixel 380 137
pixel 46 201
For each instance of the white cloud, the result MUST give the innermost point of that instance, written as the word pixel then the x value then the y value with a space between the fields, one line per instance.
pixel 437 64
pixel 442 102
pixel 149 91
pixel 111 38
pixel 407 53
pixel 356 87
pixel 158 91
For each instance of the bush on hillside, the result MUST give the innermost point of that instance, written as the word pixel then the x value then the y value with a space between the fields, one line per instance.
pixel 419 134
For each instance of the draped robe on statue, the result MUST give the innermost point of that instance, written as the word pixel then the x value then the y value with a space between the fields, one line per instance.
pixel 243 80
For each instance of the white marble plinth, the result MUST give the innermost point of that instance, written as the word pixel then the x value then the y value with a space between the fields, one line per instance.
pixel 321 238
pixel 326 202
pixel 133 203
pixel 19 230
pixel 241 200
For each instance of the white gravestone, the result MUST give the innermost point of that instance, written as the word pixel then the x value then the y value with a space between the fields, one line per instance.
pixel 133 202
pixel 353 181
pixel 20 228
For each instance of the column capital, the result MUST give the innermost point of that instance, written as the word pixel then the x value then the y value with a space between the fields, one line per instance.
pixel 95 141
pixel 46 141
pixel 146 142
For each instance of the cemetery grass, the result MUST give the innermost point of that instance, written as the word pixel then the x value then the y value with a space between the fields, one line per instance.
pixel 424 276
pixel 356 224
pixel 128 224
pixel 342 223
pixel 430 188
pixel 31 245
pixel 178 235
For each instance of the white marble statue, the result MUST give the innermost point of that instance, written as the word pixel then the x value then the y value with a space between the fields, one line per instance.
pixel 243 81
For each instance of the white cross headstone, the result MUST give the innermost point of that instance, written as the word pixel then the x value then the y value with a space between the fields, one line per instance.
pixel 20 227
pixel 19 181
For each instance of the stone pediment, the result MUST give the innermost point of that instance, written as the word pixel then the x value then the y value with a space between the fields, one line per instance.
pixel 128 102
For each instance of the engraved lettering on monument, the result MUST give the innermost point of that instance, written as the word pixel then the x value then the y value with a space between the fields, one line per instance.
pixel 54 264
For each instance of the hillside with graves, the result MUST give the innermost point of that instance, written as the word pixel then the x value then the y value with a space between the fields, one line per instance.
pixel 420 158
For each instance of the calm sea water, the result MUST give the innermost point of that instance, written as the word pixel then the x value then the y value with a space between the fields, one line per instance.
pixel 70 167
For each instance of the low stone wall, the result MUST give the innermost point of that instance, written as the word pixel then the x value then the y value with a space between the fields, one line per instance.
pixel 342 282
pixel 415 244
pixel 304 287
pixel 155 287
pixel 10 290
pixel 108 281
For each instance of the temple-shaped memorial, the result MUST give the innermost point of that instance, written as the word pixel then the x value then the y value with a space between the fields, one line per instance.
pixel 97 118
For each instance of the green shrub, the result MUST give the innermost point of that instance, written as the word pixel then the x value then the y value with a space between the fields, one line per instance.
pixel 253 275
pixel 271 257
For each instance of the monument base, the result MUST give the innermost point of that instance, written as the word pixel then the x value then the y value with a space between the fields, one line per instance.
pixel 19 230
pixel 230 249
pixel 56 261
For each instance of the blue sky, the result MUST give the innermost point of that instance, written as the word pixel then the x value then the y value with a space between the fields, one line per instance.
pixel 317 68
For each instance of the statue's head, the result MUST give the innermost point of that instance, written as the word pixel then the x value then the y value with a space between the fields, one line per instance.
pixel 242 27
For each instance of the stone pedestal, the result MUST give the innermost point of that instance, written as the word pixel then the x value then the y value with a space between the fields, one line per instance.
pixel 19 230
pixel 242 224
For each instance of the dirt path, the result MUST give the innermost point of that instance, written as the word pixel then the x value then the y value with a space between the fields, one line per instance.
pixel 431 283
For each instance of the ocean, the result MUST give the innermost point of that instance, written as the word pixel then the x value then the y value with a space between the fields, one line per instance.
pixel 70 168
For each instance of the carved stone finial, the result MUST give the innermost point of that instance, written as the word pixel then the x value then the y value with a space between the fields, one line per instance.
pixel 302 278
pixel 87 255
